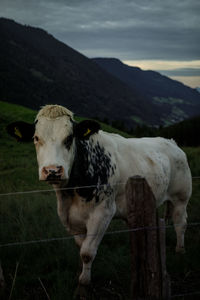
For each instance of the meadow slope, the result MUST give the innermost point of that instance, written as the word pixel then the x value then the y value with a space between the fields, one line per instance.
pixel 32 216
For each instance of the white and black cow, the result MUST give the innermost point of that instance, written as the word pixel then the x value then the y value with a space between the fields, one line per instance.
pixel 93 163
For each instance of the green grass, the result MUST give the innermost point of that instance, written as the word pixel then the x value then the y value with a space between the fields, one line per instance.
pixel 137 120
pixel 33 217
pixel 169 100
pixel 193 155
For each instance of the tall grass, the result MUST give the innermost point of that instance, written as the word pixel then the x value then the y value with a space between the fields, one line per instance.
pixel 193 155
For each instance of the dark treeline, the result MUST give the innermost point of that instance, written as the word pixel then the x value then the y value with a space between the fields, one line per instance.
pixel 185 133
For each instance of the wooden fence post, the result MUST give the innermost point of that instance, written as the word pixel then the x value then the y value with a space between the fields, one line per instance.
pixel 149 276
pixel 2 282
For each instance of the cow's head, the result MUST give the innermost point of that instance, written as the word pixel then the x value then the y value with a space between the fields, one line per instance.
pixel 54 133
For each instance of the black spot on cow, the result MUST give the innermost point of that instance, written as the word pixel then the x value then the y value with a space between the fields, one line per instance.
pixel 68 141
pixel 91 169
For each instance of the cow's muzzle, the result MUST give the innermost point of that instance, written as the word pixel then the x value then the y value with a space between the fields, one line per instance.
pixel 52 174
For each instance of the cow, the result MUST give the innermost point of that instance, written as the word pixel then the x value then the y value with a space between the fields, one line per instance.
pixel 87 167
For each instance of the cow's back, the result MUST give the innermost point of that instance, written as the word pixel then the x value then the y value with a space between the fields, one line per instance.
pixel 159 160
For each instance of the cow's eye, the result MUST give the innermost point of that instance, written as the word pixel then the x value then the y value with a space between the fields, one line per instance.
pixel 68 141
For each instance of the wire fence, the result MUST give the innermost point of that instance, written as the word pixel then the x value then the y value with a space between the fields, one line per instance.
pixel 60 189
pixel 178 287
pixel 185 295
pixel 67 188
pixel 191 289
pixel 71 237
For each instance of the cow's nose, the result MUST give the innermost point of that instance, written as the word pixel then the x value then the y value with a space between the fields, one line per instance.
pixel 51 173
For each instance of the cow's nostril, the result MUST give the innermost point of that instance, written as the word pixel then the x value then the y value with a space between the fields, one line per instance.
pixel 45 171
pixel 60 168
pixel 53 172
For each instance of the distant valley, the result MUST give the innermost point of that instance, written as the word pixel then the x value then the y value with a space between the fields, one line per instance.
pixel 173 100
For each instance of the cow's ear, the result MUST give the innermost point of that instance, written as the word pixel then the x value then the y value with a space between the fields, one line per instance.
pixel 85 129
pixel 22 131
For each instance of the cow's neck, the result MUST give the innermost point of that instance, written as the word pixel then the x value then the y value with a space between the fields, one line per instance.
pixel 64 202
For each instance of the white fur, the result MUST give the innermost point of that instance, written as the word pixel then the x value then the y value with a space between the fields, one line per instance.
pixel 50 148
pixel 160 161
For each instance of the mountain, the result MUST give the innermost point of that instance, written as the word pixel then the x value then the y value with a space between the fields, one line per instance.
pixel 36 69
pixel 198 89
pixel 173 100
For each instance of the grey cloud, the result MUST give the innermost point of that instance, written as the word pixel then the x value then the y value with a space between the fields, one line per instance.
pixel 181 72
pixel 146 43
pixel 128 29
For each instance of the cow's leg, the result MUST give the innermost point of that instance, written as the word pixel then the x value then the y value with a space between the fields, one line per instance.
pixel 79 241
pixel 179 216
pixel 168 211
pixel 96 227
pixel 79 238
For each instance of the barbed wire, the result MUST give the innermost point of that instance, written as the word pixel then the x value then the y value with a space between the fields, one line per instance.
pixel 62 189
pixel 185 295
pixel 71 237
pixel 68 188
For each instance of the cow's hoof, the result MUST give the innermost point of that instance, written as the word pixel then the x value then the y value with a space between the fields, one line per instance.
pixel 83 292
pixel 180 250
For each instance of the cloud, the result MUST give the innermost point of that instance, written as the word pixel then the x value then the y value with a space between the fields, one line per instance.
pixel 191 81
pixel 181 72
pixel 128 29
pixel 188 72
pixel 166 65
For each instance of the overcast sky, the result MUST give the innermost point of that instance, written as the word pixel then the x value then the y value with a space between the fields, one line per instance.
pixel 155 34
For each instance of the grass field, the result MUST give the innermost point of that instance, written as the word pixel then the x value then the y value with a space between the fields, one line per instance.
pixel 31 269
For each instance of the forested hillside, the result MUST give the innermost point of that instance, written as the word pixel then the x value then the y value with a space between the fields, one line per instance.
pixel 37 69
pixel 185 133
pixel 172 99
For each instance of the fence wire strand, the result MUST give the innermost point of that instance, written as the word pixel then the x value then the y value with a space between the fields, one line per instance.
pixel 67 188
pixel 185 295
pixel 62 189
pixel 83 235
